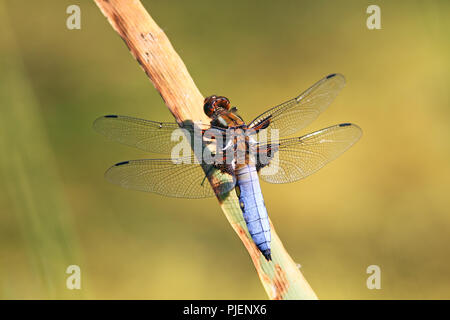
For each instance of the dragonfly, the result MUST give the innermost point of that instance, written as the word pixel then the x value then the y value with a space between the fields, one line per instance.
pixel 275 159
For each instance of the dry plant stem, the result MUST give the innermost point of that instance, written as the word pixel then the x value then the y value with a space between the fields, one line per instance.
pixel 281 278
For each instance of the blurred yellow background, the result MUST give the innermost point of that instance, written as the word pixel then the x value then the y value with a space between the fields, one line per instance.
pixel 384 202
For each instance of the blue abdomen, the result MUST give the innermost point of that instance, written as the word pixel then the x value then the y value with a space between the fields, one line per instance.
pixel 253 208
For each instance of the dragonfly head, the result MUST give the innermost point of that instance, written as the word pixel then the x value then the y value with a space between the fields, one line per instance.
pixel 215 104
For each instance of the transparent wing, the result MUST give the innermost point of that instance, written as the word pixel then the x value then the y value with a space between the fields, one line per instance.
pixel 299 112
pixel 293 159
pixel 163 176
pixel 143 134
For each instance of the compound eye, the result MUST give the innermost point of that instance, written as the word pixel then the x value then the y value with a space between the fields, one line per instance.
pixel 208 109
pixel 223 103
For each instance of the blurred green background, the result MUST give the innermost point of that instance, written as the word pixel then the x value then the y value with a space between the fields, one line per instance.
pixel 384 202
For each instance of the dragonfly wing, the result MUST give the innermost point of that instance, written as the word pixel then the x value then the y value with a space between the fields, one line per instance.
pixel 183 179
pixel 293 159
pixel 151 136
pixel 297 113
